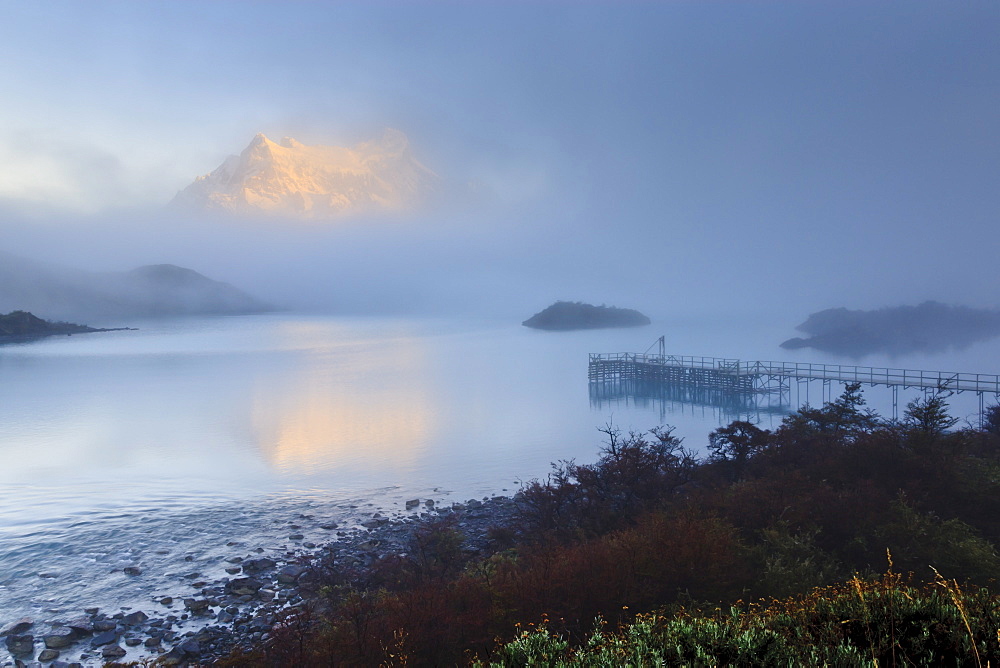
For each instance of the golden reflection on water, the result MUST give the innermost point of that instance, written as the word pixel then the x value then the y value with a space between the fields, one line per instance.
pixel 344 402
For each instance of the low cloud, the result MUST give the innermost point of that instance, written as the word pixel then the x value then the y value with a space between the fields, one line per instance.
pixel 42 171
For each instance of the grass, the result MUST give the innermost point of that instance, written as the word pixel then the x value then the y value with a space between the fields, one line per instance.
pixel 888 621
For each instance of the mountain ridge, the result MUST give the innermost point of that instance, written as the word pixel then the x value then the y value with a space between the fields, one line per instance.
pixel 57 292
pixel 313 181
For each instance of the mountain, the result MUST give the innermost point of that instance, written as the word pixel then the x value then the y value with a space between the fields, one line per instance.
pixel 577 315
pixel 314 182
pixel 151 291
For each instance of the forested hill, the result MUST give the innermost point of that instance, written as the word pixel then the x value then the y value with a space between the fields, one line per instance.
pixel 928 327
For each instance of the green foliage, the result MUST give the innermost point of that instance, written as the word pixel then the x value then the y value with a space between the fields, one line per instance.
pixel 886 621
pixel 792 562
pixel 922 538
pixel 538 647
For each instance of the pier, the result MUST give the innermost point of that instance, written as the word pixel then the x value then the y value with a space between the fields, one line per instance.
pixel 745 386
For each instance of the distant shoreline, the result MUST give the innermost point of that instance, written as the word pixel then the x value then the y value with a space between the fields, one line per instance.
pixel 25 327
pixel 28 338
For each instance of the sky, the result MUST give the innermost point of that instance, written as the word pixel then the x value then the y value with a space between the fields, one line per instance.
pixel 696 157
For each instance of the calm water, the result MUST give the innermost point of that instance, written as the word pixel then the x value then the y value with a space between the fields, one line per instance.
pixel 190 441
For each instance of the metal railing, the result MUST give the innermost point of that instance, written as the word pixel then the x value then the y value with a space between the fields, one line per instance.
pixel 907 378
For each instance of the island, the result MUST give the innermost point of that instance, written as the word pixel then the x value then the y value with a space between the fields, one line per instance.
pixel 18 326
pixel 927 327
pixel 577 315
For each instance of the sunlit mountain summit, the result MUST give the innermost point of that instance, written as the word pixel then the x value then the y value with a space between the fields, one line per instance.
pixel 314 182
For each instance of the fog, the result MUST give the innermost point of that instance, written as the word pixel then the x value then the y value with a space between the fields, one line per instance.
pixel 690 160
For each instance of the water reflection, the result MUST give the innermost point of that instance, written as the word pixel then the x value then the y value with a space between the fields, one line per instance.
pixel 669 398
pixel 345 404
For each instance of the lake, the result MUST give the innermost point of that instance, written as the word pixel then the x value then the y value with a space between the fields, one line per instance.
pixel 176 446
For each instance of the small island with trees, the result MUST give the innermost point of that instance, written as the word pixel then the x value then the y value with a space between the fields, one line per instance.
pixel 927 327
pixel 563 316
pixel 20 326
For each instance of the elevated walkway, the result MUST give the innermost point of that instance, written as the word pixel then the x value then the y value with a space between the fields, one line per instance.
pixel 739 383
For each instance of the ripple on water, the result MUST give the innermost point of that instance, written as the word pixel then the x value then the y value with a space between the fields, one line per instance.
pixel 59 566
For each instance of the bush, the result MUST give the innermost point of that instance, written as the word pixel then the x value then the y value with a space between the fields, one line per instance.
pixel 885 621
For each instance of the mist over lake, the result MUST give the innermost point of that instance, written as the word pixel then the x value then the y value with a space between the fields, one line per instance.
pixel 146 447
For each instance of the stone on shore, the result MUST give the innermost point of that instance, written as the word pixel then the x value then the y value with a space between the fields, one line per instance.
pixel 243 586
pixel 104 638
pixel 191 647
pixel 257 565
pixel 174 657
pixel 181 653
pixel 21 644
pixel 133 618
pixel 290 573
pixel 196 605
pixel 18 627
pixel 60 637
pixel 81 626
pixel 113 652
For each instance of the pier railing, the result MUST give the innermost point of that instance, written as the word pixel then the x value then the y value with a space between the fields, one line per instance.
pixel 613 363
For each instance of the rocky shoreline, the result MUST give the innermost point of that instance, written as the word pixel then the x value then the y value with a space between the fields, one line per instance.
pixel 24 327
pixel 239 610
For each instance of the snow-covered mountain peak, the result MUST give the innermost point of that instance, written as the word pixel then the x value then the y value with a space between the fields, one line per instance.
pixel 292 179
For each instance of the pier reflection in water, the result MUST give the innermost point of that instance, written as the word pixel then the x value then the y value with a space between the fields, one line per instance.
pixel 672 398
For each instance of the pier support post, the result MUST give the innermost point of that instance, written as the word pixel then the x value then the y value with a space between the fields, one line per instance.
pixel 982 410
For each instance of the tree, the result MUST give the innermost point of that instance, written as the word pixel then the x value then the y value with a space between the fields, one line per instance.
pixel 848 416
pixel 926 423
pixel 736 444
pixel 991 420
pixel 929 416
pixel 844 418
